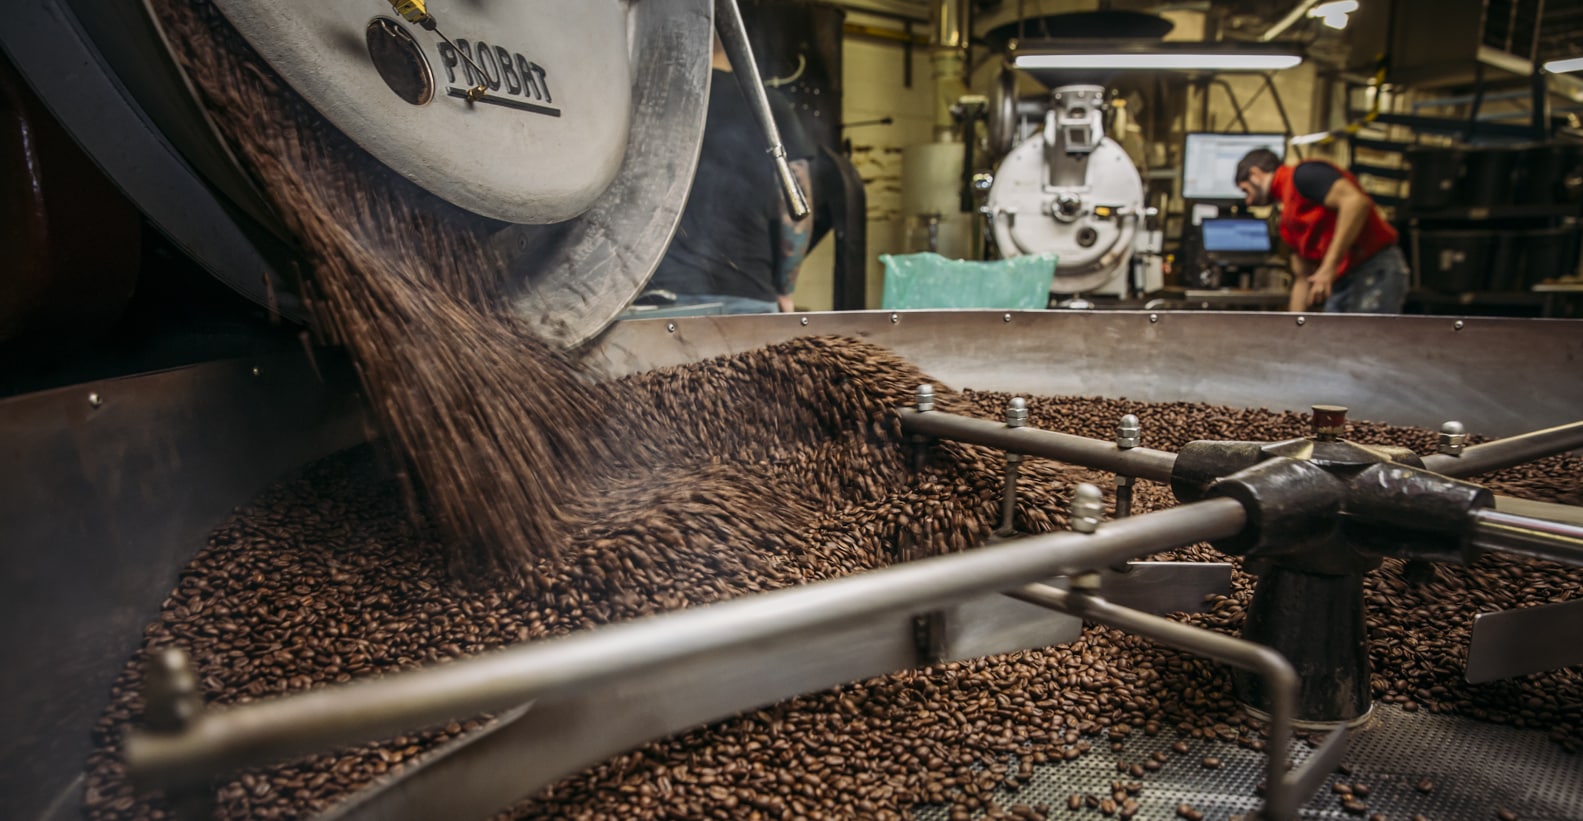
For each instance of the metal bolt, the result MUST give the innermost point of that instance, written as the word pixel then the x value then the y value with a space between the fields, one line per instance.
pixel 1457 326
pixel 1128 432
pixel 895 318
pixel 1302 320
pixel 1088 508
pixel 670 327
pixel 1017 413
pixel 805 320
pixel 1453 438
pixel 95 400
pixel 1005 318
pixel 925 398
pixel 1154 317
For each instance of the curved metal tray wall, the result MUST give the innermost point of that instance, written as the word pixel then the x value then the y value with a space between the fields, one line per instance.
pixel 102 505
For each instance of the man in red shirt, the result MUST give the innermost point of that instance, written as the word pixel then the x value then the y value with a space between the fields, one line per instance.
pixel 1344 254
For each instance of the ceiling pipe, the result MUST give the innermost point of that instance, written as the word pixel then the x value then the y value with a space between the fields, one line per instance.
pixel 1291 19
pixel 950 33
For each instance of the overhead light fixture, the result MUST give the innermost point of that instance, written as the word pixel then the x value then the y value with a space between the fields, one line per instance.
pixel 1310 139
pixel 1564 66
pixel 1334 14
pixel 1107 55
pixel 1186 61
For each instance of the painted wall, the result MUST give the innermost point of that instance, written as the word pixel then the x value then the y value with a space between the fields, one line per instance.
pixel 873 75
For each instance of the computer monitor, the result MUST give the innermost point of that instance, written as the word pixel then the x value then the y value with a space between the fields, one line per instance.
pixel 1209 165
pixel 1236 235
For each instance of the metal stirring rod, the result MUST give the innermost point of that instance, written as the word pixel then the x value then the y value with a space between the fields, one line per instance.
pixel 734 36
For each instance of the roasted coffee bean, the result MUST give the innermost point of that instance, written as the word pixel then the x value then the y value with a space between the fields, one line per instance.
pixel 327 576
pixel 1210 762
pixel 1354 806
pixel 1186 811
pixel 1506 815
pixel 1360 790
pixel 1425 786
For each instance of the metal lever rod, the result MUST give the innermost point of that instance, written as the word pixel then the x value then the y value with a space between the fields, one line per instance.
pixel 734 36
pixel 230 738
pixel 1504 453
pixel 1526 536
pixel 1143 463
pixel 1284 792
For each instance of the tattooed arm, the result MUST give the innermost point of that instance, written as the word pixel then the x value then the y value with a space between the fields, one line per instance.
pixel 792 238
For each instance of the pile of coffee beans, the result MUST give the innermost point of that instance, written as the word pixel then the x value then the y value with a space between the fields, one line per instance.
pixel 767 469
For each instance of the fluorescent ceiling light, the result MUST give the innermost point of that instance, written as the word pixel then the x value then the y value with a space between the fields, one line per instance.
pixel 1310 139
pixel 1207 61
pixel 1564 66
pixel 1334 14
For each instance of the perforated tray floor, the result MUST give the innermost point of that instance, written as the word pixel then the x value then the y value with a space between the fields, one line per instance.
pixel 1477 769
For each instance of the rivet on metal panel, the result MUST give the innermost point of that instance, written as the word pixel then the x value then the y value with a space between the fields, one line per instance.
pixel 1005 318
pixel 1457 326
pixel 670 327
pixel 805 320
pixel 95 400
pixel 895 318
pixel 1302 320
pixel 1154 317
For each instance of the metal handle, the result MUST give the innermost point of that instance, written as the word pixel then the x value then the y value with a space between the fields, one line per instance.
pixel 734 36
pixel 223 739
pixel 1144 463
pixel 1527 536
pixel 1504 453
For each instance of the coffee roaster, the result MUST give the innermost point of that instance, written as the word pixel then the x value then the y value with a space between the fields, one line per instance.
pixel 116 480
pixel 1070 190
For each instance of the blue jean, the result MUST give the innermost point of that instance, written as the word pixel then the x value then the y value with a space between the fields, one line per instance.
pixel 1378 286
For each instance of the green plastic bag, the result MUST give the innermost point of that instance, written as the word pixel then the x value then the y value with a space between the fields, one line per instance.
pixel 929 280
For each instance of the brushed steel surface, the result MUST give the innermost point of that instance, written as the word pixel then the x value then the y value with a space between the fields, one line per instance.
pixel 1528 640
pixel 1162 588
pixel 1476 768
pixel 502 162
pixel 100 508
pixel 1403 370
